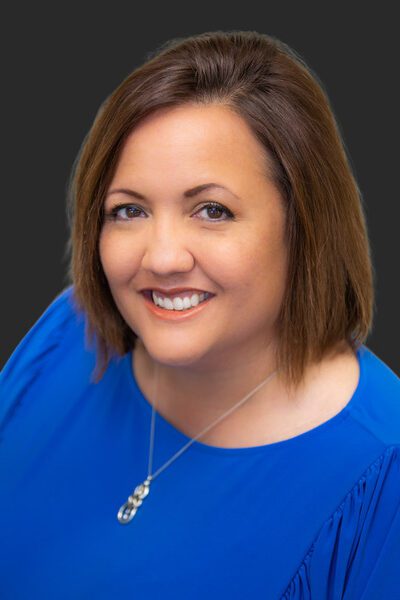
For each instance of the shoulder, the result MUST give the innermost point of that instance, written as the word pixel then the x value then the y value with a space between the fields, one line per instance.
pixel 38 350
pixel 357 550
pixel 380 375
pixel 377 407
pixel 45 333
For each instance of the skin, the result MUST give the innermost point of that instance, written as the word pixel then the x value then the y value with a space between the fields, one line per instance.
pixel 208 363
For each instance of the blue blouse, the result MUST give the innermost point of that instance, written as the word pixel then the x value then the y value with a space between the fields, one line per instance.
pixel 316 516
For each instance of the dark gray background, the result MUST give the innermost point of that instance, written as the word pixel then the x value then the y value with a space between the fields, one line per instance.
pixel 62 61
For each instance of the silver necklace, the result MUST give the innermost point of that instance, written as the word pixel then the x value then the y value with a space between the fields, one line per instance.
pixel 129 508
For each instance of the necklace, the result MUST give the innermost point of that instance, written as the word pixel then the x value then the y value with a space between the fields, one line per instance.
pixel 130 507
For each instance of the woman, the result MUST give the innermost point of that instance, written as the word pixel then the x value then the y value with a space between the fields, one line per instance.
pixel 197 414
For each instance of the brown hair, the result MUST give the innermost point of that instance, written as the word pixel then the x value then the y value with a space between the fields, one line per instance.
pixel 329 295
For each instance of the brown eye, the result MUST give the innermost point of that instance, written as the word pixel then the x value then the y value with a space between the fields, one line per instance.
pixel 213 208
pixel 131 211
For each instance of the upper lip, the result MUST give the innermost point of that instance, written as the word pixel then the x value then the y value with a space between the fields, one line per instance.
pixel 176 290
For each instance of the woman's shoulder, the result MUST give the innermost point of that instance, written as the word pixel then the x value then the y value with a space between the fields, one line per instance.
pixel 356 550
pixel 44 335
pixel 42 345
pixel 377 405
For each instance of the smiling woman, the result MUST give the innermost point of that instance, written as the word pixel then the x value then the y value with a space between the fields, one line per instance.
pixel 171 240
pixel 221 282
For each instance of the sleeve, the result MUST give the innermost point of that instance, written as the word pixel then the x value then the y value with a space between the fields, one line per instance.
pixel 356 555
pixel 33 353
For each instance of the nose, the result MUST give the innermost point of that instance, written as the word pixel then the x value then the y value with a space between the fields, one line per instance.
pixel 167 249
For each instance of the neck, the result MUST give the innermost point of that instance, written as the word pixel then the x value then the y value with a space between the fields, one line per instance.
pixel 190 399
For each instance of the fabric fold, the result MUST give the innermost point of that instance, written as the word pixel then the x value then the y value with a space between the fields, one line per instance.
pixel 357 550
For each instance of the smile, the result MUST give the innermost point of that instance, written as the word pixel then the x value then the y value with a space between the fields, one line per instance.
pixel 165 309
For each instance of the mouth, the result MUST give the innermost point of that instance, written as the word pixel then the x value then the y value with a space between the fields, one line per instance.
pixel 149 295
pixel 174 314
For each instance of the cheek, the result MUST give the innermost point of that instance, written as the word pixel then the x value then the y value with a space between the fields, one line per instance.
pixel 117 258
pixel 227 263
pixel 260 269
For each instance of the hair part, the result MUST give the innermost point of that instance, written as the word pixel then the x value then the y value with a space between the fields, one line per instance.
pixel 329 297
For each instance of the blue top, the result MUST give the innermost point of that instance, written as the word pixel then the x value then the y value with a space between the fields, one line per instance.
pixel 316 516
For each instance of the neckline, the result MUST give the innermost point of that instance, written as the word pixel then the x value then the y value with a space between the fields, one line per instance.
pixel 292 441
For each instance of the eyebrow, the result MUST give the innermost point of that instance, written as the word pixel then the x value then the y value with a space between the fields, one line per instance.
pixel 187 194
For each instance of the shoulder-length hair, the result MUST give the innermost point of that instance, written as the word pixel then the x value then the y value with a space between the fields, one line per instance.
pixel 329 295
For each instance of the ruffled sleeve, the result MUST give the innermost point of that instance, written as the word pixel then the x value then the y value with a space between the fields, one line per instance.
pixel 356 555
pixel 35 352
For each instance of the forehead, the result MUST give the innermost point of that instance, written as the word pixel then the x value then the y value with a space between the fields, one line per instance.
pixel 205 138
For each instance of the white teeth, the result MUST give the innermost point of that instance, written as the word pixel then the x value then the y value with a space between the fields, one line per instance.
pixel 178 303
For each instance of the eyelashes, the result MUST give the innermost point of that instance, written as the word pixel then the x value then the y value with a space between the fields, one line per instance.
pixel 113 214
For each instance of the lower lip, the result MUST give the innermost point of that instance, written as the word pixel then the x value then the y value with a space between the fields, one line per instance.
pixel 175 315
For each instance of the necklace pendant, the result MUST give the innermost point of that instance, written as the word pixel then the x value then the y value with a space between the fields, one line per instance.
pixel 129 509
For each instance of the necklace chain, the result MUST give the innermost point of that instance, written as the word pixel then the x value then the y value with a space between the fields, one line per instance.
pixel 129 508
pixel 204 431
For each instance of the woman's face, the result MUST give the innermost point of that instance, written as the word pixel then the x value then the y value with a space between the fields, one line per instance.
pixel 168 240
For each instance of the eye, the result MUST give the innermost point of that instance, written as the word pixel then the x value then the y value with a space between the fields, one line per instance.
pixel 216 207
pixel 113 213
pixel 133 210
